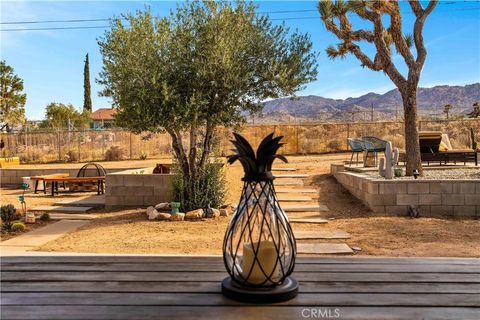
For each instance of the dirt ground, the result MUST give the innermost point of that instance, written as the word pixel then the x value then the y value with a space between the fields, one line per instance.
pixel 128 231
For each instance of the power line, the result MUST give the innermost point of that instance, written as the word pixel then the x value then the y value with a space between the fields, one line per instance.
pixel 98 27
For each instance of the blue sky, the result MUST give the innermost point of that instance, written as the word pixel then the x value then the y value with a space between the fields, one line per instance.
pixel 51 61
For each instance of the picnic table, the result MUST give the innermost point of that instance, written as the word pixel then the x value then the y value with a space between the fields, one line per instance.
pixel 55 179
pixel 187 287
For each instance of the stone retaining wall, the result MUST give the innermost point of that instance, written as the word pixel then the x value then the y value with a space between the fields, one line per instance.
pixel 129 189
pixel 433 197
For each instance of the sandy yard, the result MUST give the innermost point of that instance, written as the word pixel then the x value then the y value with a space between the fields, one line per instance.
pixel 128 231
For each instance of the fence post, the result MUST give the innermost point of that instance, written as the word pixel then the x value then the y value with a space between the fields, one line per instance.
pixel 58 146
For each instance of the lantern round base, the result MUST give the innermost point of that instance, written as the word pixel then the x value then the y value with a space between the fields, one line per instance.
pixel 282 292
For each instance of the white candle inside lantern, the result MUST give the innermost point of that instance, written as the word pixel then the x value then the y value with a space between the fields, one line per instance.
pixel 267 257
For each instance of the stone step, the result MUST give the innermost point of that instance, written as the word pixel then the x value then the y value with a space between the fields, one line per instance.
pixel 96 202
pixel 305 208
pixel 61 209
pixel 293 175
pixel 295 190
pixel 71 216
pixel 288 183
pixel 293 198
pixel 321 234
pixel 314 220
pixel 323 248
pixel 284 169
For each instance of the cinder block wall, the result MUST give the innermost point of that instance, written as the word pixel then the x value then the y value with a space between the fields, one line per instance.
pixel 125 189
pixel 433 197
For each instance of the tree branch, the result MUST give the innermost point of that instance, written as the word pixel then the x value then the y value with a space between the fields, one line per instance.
pixel 421 15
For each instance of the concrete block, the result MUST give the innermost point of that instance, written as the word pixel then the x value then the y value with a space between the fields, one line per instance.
pixel 441 210
pixel 464 211
pixel 133 201
pixel 407 199
pixel 372 187
pixel 418 187
pixel 114 179
pixel 133 180
pixel 453 199
pixel 8 173
pixel 472 199
pixel 380 199
pixel 118 190
pixel 397 210
pixel 114 201
pixel 142 191
pixel 464 187
pixel 424 210
pixel 477 188
pixel 430 199
pixel 442 187
pixel 378 209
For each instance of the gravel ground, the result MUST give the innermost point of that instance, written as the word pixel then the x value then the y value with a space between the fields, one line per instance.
pixel 448 174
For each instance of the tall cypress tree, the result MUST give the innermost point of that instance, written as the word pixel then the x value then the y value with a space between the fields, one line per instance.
pixel 87 99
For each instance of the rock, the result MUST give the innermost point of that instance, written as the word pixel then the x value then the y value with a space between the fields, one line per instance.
pixel 163 206
pixel 163 216
pixel 152 213
pixel 180 216
pixel 356 248
pixel 194 214
pixel 212 213
pixel 224 213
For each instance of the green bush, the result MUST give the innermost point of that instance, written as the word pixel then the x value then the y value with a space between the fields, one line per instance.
pixel 207 188
pixel 45 216
pixel 18 227
pixel 114 153
pixel 8 215
pixel 143 155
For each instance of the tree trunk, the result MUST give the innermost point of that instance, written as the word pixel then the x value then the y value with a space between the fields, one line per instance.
pixel 412 146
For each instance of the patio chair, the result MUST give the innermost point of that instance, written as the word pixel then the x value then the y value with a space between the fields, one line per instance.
pixel 356 146
pixel 374 145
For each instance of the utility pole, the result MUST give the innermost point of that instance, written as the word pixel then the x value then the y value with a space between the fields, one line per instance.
pixel 371 116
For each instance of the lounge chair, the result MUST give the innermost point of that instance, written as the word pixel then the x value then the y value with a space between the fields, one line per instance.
pixel 374 145
pixel 435 147
pixel 356 146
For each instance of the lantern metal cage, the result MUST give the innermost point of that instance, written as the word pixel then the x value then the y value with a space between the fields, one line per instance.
pixel 259 247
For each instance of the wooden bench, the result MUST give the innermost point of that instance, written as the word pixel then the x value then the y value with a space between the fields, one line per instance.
pixel 45 177
pixel 55 180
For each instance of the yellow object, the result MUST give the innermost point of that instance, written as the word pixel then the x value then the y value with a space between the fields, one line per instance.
pixel 266 258
pixel 9 162
pixel 443 146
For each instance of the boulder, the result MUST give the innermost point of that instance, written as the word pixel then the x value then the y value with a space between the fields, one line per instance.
pixel 214 213
pixel 163 216
pixel 194 214
pixel 224 213
pixel 152 214
pixel 163 206
pixel 180 216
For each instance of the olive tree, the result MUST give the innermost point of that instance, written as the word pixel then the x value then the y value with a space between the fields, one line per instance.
pixel 201 67
pixel 334 15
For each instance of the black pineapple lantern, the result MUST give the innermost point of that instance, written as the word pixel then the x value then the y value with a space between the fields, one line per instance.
pixel 259 248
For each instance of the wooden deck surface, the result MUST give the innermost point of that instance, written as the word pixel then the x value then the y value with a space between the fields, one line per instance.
pixel 122 287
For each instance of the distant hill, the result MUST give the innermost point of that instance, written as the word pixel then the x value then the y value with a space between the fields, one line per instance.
pixel 430 102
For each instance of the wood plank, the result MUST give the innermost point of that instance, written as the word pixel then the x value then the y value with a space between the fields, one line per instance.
pixel 218 276
pixel 182 267
pixel 202 299
pixel 146 259
pixel 212 287
pixel 231 313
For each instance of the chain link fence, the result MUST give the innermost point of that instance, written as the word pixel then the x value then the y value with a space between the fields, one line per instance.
pixel 313 138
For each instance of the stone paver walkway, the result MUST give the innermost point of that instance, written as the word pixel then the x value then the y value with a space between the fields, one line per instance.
pixel 308 220
pixel 65 209
pixel 93 201
pixel 321 234
pixel 72 216
pixel 323 248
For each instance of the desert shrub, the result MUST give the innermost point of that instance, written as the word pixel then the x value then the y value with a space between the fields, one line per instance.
pixel 8 215
pixel 18 227
pixel 32 155
pixel 208 187
pixel 114 153
pixel 45 216
pixel 143 155
pixel 71 156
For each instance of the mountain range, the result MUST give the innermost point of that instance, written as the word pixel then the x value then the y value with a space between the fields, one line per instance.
pixel 430 103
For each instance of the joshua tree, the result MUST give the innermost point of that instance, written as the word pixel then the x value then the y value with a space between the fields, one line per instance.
pixel 87 98
pixel 334 16
pixel 446 110
pixel 476 111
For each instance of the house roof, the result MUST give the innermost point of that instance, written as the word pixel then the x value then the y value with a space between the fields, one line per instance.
pixel 103 114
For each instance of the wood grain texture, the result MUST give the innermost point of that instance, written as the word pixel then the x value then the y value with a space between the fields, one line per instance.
pixel 148 287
